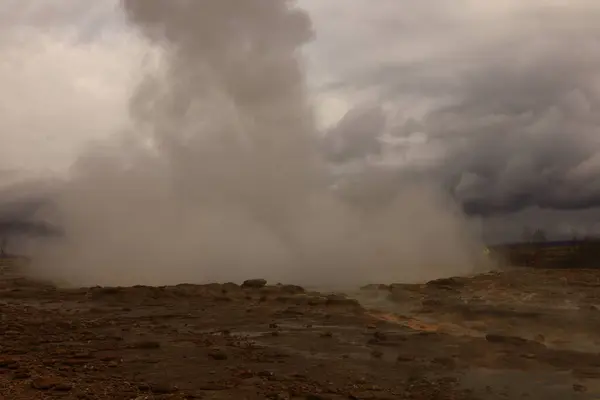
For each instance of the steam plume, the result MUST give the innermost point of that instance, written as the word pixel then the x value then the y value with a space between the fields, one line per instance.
pixel 221 177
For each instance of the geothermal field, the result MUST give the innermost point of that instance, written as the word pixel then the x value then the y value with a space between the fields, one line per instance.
pixel 293 200
pixel 523 333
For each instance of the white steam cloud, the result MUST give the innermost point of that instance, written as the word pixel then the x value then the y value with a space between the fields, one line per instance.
pixel 221 177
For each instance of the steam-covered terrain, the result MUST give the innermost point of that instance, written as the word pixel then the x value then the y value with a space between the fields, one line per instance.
pixel 529 334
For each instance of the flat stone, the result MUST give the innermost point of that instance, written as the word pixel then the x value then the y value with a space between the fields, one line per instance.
pixel 254 283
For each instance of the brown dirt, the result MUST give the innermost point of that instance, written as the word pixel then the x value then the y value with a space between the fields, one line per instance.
pixel 516 334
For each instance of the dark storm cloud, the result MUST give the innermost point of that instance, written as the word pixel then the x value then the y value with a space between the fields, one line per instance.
pixel 516 110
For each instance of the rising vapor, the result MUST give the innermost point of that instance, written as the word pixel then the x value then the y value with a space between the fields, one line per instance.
pixel 222 176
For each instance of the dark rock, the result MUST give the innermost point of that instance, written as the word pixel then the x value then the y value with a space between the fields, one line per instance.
pixel 218 354
pixel 376 353
pixel 376 287
pixel 579 388
pixel 7 362
pixel 163 388
pixel 290 312
pixel 44 383
pixel 513 340
pixel 254 283
pixel 21 375
pixel 447 283
pixel 63 387
pixel 146 344
pixel 143 387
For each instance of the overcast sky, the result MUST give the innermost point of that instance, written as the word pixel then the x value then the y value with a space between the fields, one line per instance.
pixel 67 66
pixel 66 72
pixel 498 99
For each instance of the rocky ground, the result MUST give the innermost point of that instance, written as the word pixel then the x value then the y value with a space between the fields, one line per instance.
pixel 531 334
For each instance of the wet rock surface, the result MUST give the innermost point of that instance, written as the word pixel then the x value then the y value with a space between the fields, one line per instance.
pixel 517 334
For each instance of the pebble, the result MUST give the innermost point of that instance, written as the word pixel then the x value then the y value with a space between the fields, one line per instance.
pixel 146 344
pixel 163 388
pixel 46 383
pixel 218 355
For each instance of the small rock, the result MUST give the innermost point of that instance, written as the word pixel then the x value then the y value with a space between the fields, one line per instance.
pixel 14 366
pixel 6 362
pixel 377 354
pixel 540 338
pixel 290 312
pixel 376 287
pixel 21 375
pixel 579 388
pixel 218 355
pixel 314 397
pixel 513 340
pixel 163 388
pixel 254 283
pixel 43 383
pixel 446 283
pixel 63 387
pixel 146 344
pixel 327 334
pixel 83 355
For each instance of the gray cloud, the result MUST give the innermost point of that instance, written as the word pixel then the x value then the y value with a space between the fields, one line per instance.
pixel 514 107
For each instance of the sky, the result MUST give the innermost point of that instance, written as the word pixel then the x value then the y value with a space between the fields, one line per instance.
pixel 67 73
pixel 68 67
pixel 495 100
